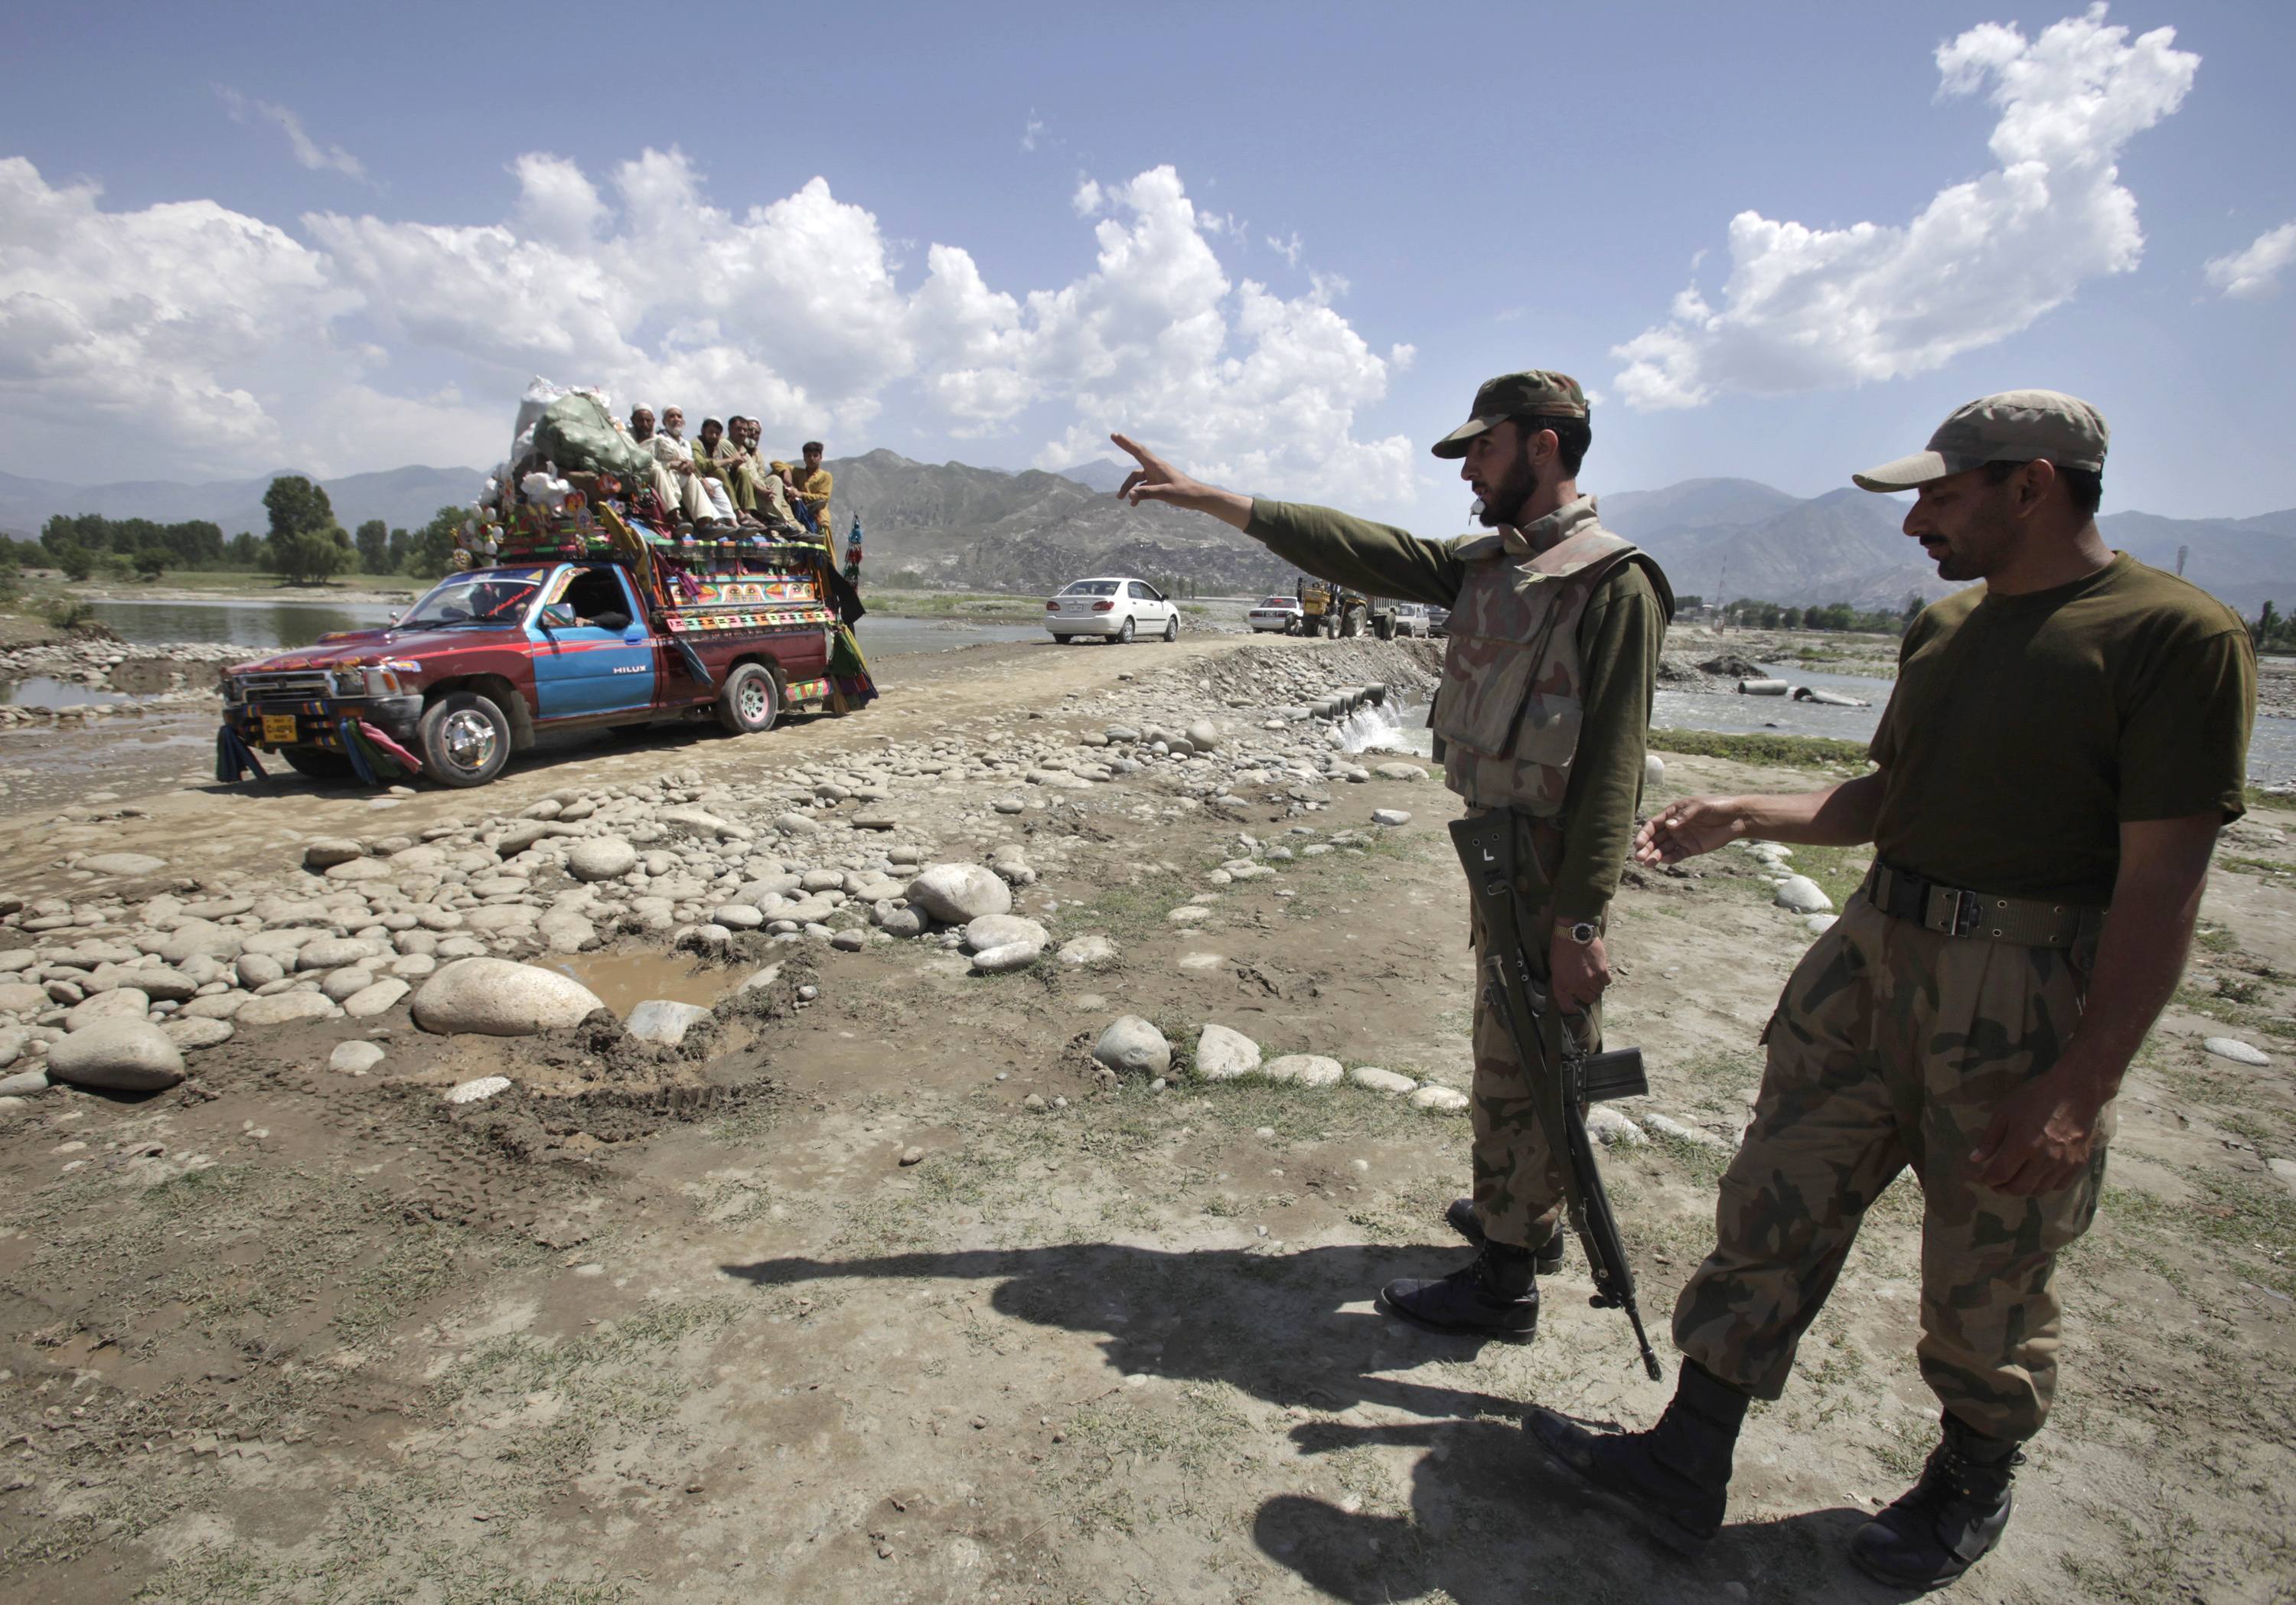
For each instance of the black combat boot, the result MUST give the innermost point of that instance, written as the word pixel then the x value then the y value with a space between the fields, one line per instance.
pixel 1494 1294
pixel 1945 1523
pixel 1675 1477
pixel 1461 1218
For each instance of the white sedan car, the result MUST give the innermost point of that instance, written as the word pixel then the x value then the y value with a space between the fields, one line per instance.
pixel 1114 609
pixel 1280 614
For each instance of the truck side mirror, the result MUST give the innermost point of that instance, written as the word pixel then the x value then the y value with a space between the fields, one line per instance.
pixel 633 634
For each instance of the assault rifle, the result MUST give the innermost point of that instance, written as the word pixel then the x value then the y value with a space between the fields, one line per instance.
pixel 1561 1092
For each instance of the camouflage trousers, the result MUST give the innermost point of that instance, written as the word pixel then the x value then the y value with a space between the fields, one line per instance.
pixel 1893 1046
pixel 1517 1180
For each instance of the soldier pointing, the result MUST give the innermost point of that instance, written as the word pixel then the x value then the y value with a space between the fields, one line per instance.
pixel 1543 711
pixel 2063 744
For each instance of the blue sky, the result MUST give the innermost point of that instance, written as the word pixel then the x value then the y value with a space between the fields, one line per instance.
pixel 1287 242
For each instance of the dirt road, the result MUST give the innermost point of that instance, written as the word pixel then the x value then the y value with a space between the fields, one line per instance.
pixel 684 1322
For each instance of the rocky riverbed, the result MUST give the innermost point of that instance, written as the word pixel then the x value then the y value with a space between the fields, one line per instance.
pixel 948 1152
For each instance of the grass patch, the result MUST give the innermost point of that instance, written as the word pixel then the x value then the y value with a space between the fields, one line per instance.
pixel 2279 801
pixel 1790 751
pixel 2252 1222
pixel 2255 866
pixel 1128 913
pixel 997 607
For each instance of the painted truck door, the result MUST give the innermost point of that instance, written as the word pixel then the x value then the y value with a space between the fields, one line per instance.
pixel 588 668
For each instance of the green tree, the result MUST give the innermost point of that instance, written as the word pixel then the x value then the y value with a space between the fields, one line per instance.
pixel 395 553
pixel 310 557
pixel 430 551
pixel 308 547
pixel 373 543
pixel 297 506
pixel 75 560
pixel 245 550
pixel 152 563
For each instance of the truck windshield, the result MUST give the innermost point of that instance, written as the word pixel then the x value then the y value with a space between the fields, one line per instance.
pixel 491 596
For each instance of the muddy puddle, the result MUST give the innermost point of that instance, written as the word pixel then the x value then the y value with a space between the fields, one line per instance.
pixel 623 979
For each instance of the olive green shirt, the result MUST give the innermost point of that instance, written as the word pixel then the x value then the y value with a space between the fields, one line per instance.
pixel 1618 640
pixel 2025 731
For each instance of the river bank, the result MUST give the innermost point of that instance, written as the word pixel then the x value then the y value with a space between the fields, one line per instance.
pixel 874 1282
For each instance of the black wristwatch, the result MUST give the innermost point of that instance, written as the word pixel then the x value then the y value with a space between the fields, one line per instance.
pixel 1584 932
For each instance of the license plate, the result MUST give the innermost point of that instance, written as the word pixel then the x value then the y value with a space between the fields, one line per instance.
pixel 279 727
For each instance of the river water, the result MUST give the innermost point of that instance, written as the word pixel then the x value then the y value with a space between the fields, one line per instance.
pixel 1402 727
pixel 276 626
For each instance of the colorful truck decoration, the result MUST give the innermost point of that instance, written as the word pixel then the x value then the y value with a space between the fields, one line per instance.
pixel 579 617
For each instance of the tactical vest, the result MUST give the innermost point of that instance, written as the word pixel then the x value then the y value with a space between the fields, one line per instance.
pixel 1507 714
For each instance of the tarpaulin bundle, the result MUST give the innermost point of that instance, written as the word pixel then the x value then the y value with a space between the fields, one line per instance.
pixel 693 664
pixel 356 749
pixel 375 757
pixel 849 671
pixel 577 432
pixel 234 757
pixel 390 749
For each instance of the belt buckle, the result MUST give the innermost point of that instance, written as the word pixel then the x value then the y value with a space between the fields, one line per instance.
pixel 1960 911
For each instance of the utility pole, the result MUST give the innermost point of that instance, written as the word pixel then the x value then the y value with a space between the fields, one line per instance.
pixel 1722 595
pixel 2182 554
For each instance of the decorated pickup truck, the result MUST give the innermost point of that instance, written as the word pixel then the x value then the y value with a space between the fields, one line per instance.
pixel 597 623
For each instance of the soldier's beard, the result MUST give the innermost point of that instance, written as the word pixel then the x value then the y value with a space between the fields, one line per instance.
pixel 1510 496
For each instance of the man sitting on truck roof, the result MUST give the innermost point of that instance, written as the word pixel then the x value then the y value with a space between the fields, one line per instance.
pixel 671 440
pixel 810 486
pixel 754 490
pixel 681 493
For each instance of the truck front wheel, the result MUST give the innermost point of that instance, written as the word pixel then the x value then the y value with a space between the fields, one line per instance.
pixel 748 702
pixel 465 739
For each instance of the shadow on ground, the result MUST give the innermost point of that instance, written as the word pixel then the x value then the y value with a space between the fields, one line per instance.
pixel 1490 1519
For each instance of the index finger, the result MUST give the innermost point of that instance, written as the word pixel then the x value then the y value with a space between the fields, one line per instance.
pixel 1147 458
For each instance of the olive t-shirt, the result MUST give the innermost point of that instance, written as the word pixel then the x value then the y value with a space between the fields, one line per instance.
pixel 2025 730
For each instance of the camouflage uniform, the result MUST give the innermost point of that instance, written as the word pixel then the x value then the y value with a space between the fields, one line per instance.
pixel 1506 721
pixel 1893 1046
pixel 1518 1183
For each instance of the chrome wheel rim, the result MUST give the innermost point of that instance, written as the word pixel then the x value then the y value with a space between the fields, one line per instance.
pixel 470 739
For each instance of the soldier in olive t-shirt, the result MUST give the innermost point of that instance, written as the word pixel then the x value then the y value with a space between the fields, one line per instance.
pixel 2063 746
pixel 2024 730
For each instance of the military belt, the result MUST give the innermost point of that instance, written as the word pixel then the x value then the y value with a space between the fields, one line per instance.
pixel 1954 911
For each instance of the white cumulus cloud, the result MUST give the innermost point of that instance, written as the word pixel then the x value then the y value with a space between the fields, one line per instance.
pixel 1807 308
pixel 1238 383
pixel 2246 274
pixel 220 343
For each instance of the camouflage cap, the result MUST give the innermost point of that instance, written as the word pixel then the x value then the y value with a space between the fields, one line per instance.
pixel 1539 391
pixel 2016 426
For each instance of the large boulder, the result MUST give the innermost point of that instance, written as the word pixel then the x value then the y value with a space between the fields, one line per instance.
pixel 121 1003
pixel 123 864
pixel 1133 1046
pixel 120 1055
pixel 957 893
pixel 1223 1054
pixel 195 938
pixel 1000 930
pixel 326 852
pixel 605 858
pixel 1308 1069
pixel 495 997
pixel 21 997
pixel 1802 895
pixel 286 1009
pixel 664 1020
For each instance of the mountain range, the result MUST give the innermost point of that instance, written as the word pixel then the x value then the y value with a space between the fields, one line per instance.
pixel 954 524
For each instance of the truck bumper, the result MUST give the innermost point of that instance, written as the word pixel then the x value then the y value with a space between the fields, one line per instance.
pixel 316 723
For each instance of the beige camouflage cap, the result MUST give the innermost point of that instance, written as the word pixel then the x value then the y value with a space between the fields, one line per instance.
pixel 1539 392
pixel 2016 426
